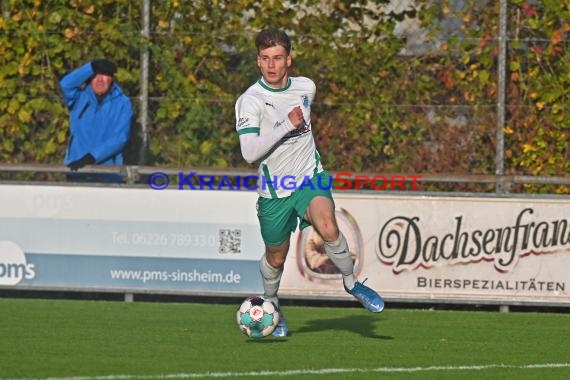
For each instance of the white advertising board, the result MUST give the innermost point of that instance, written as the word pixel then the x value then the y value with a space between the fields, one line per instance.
pixel 409 247
pixel 445 248
pixel 94 238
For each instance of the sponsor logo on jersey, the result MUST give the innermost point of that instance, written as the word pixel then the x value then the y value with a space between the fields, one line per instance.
pixel 278 124
pixel 302 130
pixel 242 122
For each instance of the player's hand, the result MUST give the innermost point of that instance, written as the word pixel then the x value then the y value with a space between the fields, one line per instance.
pixel 296 117
pixel 88 159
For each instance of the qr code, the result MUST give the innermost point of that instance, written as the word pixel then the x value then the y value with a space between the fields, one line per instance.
pixel 230 242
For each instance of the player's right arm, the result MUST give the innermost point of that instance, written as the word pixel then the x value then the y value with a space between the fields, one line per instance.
pixel 255 145
pixel 71 83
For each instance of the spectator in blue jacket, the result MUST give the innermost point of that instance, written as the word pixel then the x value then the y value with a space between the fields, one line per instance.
pixel 100 115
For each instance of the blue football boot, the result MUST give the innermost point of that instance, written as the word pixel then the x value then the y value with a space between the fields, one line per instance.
pixel 281 330
pixel 367 297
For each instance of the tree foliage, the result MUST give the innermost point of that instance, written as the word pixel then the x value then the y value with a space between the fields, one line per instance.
pixel 422 102
pixel 539 89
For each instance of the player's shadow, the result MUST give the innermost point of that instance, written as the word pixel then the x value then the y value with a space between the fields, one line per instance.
pixel 267 340
pixel 358 324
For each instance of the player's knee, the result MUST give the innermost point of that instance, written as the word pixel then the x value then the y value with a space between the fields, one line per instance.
pixel 276 256
pixel 276 261
pixel 329 232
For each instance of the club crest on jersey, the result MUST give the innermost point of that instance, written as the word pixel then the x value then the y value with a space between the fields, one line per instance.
pixel 305 101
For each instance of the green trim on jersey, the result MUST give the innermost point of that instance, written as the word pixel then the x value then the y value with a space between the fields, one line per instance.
pixel 262 84
pixel 268 181
pixel 317 161
pixel 249 130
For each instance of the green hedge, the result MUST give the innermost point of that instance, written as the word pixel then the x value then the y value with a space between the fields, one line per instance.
pixel 377 108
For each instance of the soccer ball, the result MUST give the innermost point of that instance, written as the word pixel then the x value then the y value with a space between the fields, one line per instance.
pixel 257 317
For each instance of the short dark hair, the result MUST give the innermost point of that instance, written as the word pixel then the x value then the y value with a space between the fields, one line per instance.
pixel 272 37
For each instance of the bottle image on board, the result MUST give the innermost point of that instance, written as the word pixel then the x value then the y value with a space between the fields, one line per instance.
pixel 312 261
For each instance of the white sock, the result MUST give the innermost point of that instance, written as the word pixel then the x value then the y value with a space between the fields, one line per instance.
pixel 271 279
pixel 338 252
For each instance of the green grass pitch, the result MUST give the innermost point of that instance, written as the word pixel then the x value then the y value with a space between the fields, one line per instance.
pixel 109 340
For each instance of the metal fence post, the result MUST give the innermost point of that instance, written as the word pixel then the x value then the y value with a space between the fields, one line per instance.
pixel 501 98
pixel 144 81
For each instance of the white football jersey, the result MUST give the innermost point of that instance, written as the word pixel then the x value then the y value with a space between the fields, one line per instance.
pixel 294 158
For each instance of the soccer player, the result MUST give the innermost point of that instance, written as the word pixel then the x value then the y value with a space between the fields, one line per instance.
pixel 273 121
